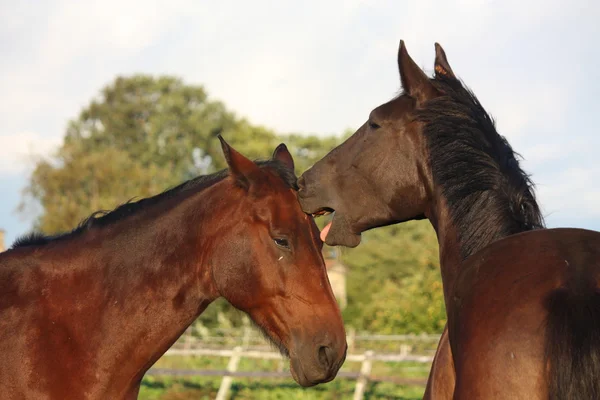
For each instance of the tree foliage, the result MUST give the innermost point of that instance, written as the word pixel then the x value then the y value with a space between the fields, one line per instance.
pixel 394 282
pixel 143 134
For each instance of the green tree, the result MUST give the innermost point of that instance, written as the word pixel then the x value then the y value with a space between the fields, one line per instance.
pixel 394 283
pixel 139 137
pixel 307 150
pixel 90 182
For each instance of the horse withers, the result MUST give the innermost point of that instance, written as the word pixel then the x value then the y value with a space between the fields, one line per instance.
pixel 523 302
pixel 85 314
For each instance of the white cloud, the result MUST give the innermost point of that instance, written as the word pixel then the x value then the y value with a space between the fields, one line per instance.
pixel 520 112
pixel 549 152
pixel 20 150
pixel 314 66
pixel 573 191
pixel 91 28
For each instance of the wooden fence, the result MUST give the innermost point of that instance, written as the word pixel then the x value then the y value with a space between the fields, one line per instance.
pixel 187 346
pixel 249 337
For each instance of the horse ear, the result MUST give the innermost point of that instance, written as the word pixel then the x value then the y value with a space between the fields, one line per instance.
pixel 282 154
pixel 442 68
pixel 240 167
pixel 414 80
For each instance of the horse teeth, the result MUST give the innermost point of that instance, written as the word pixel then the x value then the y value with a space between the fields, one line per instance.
pixel 321 213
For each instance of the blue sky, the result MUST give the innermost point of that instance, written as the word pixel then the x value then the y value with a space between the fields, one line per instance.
pixel 313 67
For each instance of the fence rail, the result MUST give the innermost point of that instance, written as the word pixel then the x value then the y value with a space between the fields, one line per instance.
pixel 276 356
pixel 249 338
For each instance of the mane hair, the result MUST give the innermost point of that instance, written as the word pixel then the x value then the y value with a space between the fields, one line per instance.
pixel 103 218
pixel 487 192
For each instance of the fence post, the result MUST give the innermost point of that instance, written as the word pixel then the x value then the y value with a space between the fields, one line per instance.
pixel 231 367
pixel 405 349
pixel 246 337
pixel 187 339
pixel 363 377
pixel 280 365
pixel 351 339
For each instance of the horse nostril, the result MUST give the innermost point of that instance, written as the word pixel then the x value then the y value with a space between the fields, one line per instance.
pixel 325 357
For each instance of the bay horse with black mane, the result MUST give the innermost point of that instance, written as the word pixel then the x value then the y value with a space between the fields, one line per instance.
pixel 84 315
pixel 523 302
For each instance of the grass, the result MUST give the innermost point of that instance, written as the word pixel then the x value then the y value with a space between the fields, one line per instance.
pixel 245 389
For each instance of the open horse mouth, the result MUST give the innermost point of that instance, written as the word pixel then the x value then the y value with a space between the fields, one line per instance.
pixel 321 213
pixel 338 231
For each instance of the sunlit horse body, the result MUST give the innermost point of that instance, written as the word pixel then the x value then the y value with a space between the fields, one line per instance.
pixel 523 302
pixel 85 315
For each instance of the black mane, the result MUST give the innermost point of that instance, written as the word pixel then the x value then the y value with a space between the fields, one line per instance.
pixel 103 218
pixel 488 193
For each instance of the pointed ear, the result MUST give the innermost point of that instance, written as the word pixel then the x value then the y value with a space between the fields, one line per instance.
pixel 240 167
pixel 414 80
pixel 282 154
pixel 442 68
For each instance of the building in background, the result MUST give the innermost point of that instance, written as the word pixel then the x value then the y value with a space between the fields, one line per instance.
pixel 336 271
pixel 2 248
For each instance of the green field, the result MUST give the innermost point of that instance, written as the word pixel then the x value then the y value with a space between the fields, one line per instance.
pixel 188 388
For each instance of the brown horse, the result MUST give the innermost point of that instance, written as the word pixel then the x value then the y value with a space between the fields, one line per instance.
pixel 84 315
pixel 523 302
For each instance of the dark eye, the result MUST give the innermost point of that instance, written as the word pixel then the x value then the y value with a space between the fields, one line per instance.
pixel 373 125
pixel 282 243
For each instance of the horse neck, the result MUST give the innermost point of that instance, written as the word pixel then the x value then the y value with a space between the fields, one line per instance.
pixel 156 275
pixel 453 252
pixel 449 244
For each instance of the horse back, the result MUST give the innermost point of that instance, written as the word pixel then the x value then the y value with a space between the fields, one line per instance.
pixel 500 308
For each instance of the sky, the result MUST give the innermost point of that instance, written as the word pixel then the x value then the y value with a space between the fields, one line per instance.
pixel 312 67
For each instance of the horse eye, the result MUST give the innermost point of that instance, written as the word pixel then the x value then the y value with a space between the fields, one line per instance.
pixel 282 243
pixel 373 125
